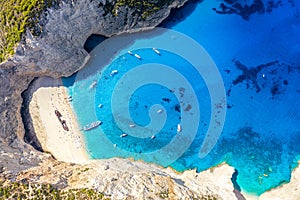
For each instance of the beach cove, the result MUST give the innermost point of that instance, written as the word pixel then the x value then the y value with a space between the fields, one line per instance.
pixel 50 95
pixel 254 132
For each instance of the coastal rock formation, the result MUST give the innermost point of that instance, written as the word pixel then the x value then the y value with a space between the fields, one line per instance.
pixel 59 51
pixel 120 179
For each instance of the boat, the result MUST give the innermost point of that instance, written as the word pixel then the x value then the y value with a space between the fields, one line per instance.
pixel 94 83
pixel 131 125
pixel 130 53
pixel 138 56
pixel 156 51
pixel 92 125
pixel 160 111
pixel 179 129
pixel 100 105
pixel 113 72
pixel 153 136
pixel 123 135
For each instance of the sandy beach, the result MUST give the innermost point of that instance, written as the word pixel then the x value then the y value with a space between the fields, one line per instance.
pixel 51 95
pixel 69 146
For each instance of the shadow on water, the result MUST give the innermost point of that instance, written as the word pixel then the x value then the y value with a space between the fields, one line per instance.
pixel 93 41
pixel 234 180
pixel 111 47
pixel 180 14
pixel 69 81
pixel 176 16
pixel 237 189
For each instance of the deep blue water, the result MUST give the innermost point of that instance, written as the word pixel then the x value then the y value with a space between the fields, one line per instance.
pixel 258 57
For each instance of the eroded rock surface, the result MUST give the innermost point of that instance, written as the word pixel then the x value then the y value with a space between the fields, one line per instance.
pixel 120 179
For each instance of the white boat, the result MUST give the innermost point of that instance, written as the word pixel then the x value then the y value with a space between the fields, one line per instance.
pixel 113 72
pixel 130 53
pixel 70 98
pixel 92 125
pixel 138 56
pixel 156 51
pixel 123 135
pixel 131 125
pixel 179 129
pixel 94 83
pixel 115 145
pixel 100 105
pixel 160 111
pixel 153 136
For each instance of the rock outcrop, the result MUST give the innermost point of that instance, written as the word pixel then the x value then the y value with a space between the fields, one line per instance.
pixel 58 52
pixel 120 179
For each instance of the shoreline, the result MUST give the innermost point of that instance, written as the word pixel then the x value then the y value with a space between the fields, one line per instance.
pixel 50 95
pixel 69 146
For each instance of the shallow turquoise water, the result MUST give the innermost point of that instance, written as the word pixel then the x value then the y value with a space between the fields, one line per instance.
pixel 261 134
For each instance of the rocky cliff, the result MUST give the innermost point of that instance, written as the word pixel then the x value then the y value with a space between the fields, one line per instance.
pixel 58 51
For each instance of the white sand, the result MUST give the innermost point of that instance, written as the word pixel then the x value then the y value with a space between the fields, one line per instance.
pixel 51 95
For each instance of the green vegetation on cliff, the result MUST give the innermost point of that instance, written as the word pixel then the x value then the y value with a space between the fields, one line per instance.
pixel 34 191
pixel 14 190
pixel 142 7
pixel 15 17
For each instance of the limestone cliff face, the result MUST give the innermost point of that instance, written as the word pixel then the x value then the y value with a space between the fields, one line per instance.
pixel 59 51
pixel 120 179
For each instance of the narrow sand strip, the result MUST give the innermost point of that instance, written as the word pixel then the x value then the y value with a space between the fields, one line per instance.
pixel 51 95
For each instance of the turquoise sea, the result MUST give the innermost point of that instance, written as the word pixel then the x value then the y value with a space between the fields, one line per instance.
pixel 257 53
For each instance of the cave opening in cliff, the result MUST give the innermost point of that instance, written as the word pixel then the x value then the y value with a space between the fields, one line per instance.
pixel 92 41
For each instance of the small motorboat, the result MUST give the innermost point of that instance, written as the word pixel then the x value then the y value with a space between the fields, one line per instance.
pixel 130 53
pixel 156 51
pixel 152 137
pixel 179 129
pixel 100 105
pixel 113 72
pixel 94 83
pixel 123 135
pixel 138 56
pixel 70 98
pixel 160 111
pixel 92 125
pixel 131 125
